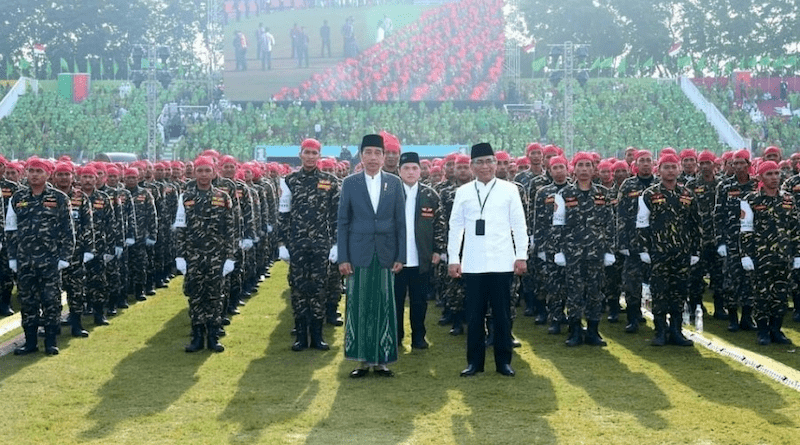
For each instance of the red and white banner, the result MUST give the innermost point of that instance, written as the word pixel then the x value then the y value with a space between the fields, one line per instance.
pixel 39 49
pixel 674 49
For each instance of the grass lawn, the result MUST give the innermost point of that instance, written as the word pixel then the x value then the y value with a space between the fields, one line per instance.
pixel 257 85
pixel 131 382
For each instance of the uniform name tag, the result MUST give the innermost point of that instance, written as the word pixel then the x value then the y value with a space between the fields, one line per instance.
pixel 745 217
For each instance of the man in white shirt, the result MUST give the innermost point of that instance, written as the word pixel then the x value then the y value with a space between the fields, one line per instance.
pixel 489 219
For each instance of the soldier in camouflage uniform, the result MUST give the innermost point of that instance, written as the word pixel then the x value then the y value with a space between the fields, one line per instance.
pixel 770 249
pixel 204 230
pixel 247 227
pixel 612 288
pixel 7 188
pixel 41 240
pixel 306 230
pixel 704 187
pixel 792 185
pixel 334 284
pixel 584 240
pixel 550 276
pixel 736 283
pixel 144 209
pixel 125 220
pixel 74 276
pixel 634 272
pixel 668 238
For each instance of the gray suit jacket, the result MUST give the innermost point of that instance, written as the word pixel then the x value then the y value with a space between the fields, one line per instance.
pixel 363 232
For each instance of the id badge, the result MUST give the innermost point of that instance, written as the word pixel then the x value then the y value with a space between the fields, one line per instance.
pixel 480 227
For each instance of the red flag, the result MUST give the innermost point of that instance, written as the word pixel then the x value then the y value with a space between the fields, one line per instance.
pixel 674 49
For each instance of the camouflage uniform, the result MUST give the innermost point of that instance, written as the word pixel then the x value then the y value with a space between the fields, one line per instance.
pixel 792 185
pixel 736 283
pixel 453 288
pixel 307 227
pixel 533 282
pixel 634 271
pixel 144 210
pixel 770 236
pixel 106 237
pixel 74 276
pixel 155 262
pixel 612 285
pixel 548 274
pixel 710 262
pixel 7 189
pixel 39 233
pixel 125 222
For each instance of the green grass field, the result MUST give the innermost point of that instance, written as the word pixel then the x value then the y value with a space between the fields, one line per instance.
pixel 257 85
pixel 132 383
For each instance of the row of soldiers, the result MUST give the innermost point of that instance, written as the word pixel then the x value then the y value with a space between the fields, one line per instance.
pixel 108 232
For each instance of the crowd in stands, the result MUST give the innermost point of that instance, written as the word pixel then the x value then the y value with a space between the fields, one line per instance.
pixel 454 52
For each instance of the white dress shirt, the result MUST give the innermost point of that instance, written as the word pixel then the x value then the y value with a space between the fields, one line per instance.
pixel 412 256
pixel 374 189
pixel 506 234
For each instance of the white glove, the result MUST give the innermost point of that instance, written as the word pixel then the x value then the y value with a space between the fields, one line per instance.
pixel 87 256
pixel 129 241
pixel 542 256
pixel 645 257
pixel 149 242
pixel 283 253
pixel 609 259
pixel 334 254
pixel 747 263
pixel 443 258
pixel 228 267
pixel 269 228
pixel 560 259
pixel 693 260
pixel 118 251
pixel 722 250
pixel 62 264
pixel 530 240
pixel 12 264
pixel 246 244
pixel 107 257
pixel 796 264
pixel 180 264
pixel 625 252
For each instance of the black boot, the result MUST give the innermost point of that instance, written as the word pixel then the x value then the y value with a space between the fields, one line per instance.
pixel 763 335
pixel 489 331
pixel 675 332
pixel 301 343
pixel 514 342
pixel 575 333
pixel 31 338
pixel 213 338
pixel 76 327
pixel 198 332
pixel 99 317
pixel 5 305
pixel 122 300
pixel 593 337
pixel 332 316
pixel 719 309
pixel 634 314
pixel 458 326
pixel 746 323
pixel 733 319
pixel 50 346
pixel 138 293
pixel 796 313
pixel 447 318
pixel 317 342
pixel 613 309
pixel 541 312
pixel 775 324
pixel 660 338
pixel 554 328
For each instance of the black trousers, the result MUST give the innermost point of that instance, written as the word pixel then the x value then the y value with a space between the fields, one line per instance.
pixel 410 281
pixel 492 290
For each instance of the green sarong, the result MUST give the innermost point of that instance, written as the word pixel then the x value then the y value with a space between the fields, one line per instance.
pixel 370 318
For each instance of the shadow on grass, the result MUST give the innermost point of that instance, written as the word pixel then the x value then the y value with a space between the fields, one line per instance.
pixel 10 364
pixel 609 382
pixel 144 383
pixel 278 386
pixel 712 378
pixel 427 394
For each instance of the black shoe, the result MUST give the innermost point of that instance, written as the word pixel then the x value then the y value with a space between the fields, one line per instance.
pixel 733 320
pixel 384 372
pixel 31 338
pixel 613 317
pixel 470 371
pixel 575 334
pixel 233 311
pixel 151 291
pixel 76 327
pixel 317 342
pixel 506 370
pixel 100 318
pixel 358 373
pixel 226 321
pixel 122 303
pixel 457 330
pixel 529 312
pixel 675 332
pixel 420 344
pixel 515 343
pixel 763 337
pixel 775 325
pixel 301 342
pixel 112 310
pixel 50 332
pixel 213 343
pixel 141 297
pixel 796 316
pixel 446 319
pixel 746 322
pixel 593 337
pixel 5 310
pixel 555 328
pixel 632 327
pixel 198 332
pixel 540 319
pixel 661 331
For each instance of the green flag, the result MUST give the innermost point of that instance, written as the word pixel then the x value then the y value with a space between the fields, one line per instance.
pixel 24 65
pixel 75 66
pixel 622 68
pixel 9 70
pixel 115 68
pixel 538 64
pixel 596 65
pixel 648 63
pixel 700 64
pixel 729 68
pixel 48 69
pixel 607 63
pixel 684 62
pixel 102 68
pixel 765 62
pixel 64 65
pixel 89 67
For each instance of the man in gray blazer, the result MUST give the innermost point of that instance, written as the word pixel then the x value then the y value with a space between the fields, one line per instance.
pixel 371 246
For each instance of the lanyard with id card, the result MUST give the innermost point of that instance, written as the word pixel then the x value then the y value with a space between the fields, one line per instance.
pixel 480 224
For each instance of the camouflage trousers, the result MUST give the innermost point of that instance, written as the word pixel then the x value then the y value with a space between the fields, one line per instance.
pixel 737 288
pixel 514 292
pixel 236 278
pixel 202 285
pixel 669 282
pixel 137 266
pixel 454 294
pixel 710 264
pixel 612 286
pixel 6 275
pixel 634 273
pixel 552 279
pixel 334 288
pixel 531 281
pixel 308 278
pixel 772 285
pixel 73 280
pixel 95 288
pixel 583 281
pixel 39 293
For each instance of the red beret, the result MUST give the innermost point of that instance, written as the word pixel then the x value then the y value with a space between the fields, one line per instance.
pixel 688 153
pixel 65 158
pixel 16 166
pixel 204 160
pixel 64 167
pixel 581 156
pixel 112 170
pixel 533 147
pixel 706 156
pixel 87 170
pixel 668 151
pixel 668 158
pixel 227 159
pixel 620 165
pixel 130 171
pixel 37 162
pixel 390 142
pixel 310 143
pixel 742 154
pixel 767 166
pixel 558 160
pixel 772 149
pixel 550 150
pixel 3 160
pixel 502 156
pixel 462 159
pixel 641 154
pixel 436 169
pixel 450 157
pixel 425 162
pixel 210 152
pixel 523 161
pixel 605 165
